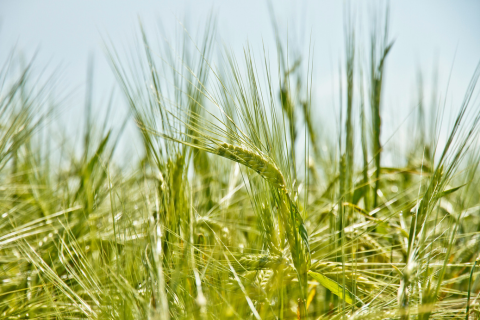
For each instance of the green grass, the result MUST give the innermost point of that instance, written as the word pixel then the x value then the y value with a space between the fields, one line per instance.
pixel 239 208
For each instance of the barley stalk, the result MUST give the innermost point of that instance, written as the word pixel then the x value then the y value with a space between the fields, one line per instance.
pixel 295 230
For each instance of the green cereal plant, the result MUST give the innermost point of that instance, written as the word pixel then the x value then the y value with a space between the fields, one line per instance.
pixel 222 211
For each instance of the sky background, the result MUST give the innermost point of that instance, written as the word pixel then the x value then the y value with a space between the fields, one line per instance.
pixel 428 34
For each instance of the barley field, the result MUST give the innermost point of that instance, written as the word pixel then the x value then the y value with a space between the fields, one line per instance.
pixel 241 206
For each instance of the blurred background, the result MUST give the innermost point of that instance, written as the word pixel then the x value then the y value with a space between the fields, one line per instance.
pixel 436 38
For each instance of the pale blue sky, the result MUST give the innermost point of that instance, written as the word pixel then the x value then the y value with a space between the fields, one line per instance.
pixel 66 32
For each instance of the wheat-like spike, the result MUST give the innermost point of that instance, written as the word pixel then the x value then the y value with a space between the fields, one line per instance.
pixel 369 242
pixel 252 262
pixel 265 278
pixel 255 161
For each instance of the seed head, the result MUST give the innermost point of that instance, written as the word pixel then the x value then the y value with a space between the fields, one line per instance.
pixel 255 161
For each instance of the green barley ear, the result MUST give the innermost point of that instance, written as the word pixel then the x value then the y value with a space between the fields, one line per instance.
pixel 252 262
pixel 255 161
pixel 380 46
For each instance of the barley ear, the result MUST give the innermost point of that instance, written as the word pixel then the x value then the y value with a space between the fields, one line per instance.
pixel 255 161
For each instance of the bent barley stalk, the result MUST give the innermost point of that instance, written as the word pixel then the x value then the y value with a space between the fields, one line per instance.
pixel 294 226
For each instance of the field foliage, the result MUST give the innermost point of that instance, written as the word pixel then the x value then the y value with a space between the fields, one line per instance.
pixel 241 206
